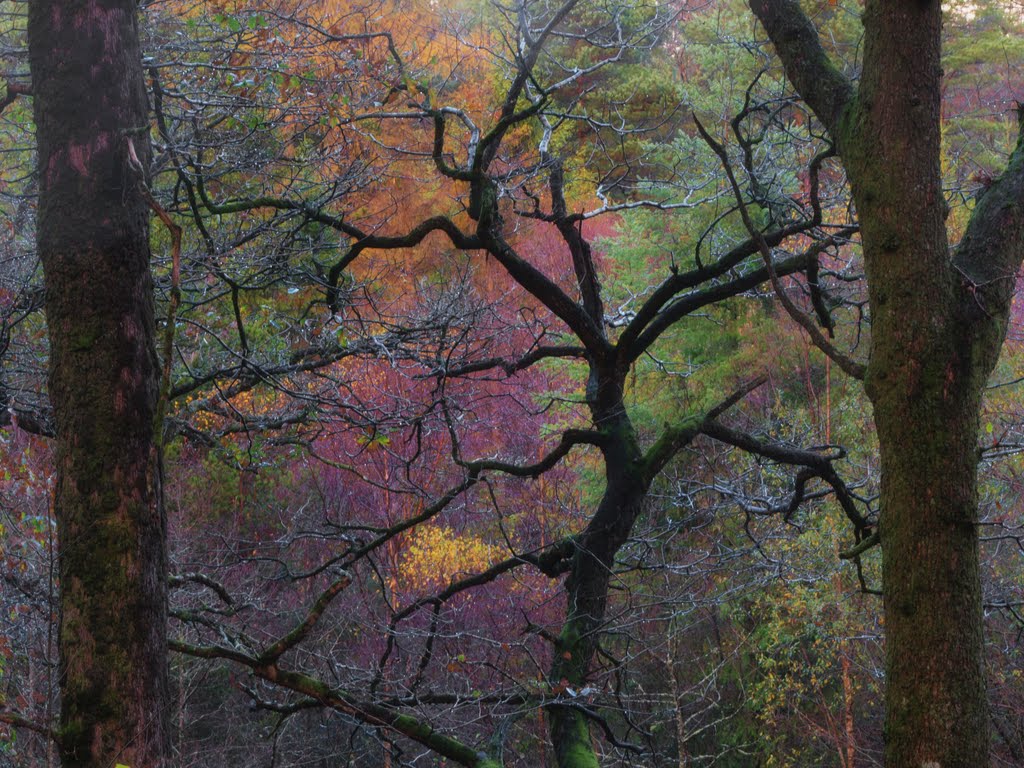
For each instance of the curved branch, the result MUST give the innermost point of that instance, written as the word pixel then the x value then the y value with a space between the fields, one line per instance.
pixel 39 424
pixel 678 436
pixel 14 90
pixel 868 542
pixel 570 439
pixel 413 237
pixel 206 581
pixel 545 290
pixel 691 302
pixel 272 653
pixel 820 463
pixel 510 368
pixel 362 240
pixel 552 561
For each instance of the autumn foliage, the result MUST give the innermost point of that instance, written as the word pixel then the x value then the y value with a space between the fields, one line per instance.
pixel 495 434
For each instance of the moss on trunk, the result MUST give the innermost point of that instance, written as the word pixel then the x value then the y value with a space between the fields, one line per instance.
pixel 937 326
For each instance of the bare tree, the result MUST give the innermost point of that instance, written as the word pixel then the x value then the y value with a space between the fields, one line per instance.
pixel 501 190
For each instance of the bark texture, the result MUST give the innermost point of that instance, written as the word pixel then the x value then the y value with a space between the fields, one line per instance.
pixel 588 584
pixel 938 324
pixel 93 240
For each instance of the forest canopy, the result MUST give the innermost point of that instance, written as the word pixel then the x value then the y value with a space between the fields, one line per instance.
pixel 484 383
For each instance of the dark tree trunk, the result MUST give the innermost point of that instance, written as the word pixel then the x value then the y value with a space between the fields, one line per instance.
pixel 587 587
pixel 93 239
pixel 937 328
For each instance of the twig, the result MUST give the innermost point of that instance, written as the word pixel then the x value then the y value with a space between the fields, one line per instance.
pixel 172 309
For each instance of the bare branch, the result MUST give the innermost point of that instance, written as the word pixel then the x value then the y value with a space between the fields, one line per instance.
pixel 849 366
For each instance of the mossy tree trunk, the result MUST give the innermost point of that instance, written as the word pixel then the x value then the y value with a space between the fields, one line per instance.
pixel 93 240
pixel 938 324
pixel 588 584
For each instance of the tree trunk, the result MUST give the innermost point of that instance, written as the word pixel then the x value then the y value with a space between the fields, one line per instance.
pixel 937 326
pixel 587 587
pixel 93 240
pixel 925 388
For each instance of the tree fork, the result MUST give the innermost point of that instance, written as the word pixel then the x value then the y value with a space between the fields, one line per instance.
pixel 937 328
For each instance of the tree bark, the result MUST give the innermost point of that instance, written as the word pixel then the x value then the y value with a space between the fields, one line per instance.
pixel 93 240
pixel 587 588
pixel 937 328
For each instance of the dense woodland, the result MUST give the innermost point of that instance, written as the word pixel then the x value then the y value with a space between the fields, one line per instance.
pixel 511 383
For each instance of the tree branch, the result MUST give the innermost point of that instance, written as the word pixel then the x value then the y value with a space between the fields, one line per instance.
pixel 570 439
pixel 820 463
pixel 512 367
pixel 367 712
pixel 677 436
pixel 290 640
pixel 14 90
pixel 848 365
pixel 20 721
pixel 992 249
pixel 825 89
